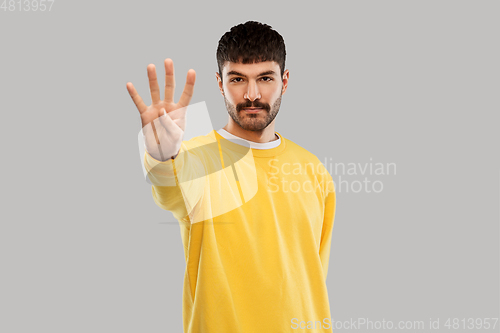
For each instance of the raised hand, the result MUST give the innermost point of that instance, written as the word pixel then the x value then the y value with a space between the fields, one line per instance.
pixel 164 122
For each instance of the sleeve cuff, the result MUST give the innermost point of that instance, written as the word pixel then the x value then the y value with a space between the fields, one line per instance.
pixel 163 173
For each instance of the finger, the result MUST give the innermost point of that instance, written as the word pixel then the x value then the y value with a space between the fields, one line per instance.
pixel 168 123
pixel 153 84
pixel 187 93
pixel 136 98
pixel 169 81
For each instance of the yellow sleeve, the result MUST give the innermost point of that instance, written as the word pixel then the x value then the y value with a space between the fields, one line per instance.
pixel 326 232
pixel 172 179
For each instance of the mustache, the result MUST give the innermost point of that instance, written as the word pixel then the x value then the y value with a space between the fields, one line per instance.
pixel 254 104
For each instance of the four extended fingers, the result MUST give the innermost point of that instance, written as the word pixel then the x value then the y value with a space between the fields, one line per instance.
pixel 187 93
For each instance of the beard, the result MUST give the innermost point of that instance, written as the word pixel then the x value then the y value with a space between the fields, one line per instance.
pixel 256 121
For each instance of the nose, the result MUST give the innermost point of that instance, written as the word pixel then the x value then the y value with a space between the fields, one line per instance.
pixel 252 92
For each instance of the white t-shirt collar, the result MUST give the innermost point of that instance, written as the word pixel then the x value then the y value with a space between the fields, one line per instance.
pixel 255 145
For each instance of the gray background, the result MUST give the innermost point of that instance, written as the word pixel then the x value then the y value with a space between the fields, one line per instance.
pixel 83 247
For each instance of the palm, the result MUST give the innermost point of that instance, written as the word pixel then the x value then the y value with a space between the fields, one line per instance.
pixel 163 132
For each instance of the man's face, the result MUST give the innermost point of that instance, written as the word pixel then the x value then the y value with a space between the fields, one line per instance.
pixel 252 92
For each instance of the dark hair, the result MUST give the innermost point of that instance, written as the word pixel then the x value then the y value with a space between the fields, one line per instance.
pixel 251 42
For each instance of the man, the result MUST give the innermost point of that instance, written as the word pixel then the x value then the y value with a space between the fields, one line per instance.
pixel 256 210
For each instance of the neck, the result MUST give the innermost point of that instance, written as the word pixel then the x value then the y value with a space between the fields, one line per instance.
pixel 262 136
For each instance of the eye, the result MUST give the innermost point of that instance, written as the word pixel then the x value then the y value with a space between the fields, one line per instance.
pixel 236 78
pixel 267 78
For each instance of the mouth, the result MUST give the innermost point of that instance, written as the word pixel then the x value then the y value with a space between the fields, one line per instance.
pixel 252 110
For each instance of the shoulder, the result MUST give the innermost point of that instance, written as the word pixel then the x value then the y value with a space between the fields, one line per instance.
pixel 305 157
pixel 301 153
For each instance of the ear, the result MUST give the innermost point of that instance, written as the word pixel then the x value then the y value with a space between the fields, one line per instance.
pixel 219 82
pixel 286 75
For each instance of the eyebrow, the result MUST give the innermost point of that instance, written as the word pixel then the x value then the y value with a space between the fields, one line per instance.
pixel 243 75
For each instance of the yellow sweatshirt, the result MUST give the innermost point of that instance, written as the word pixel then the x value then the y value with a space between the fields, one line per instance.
pixel 256 225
